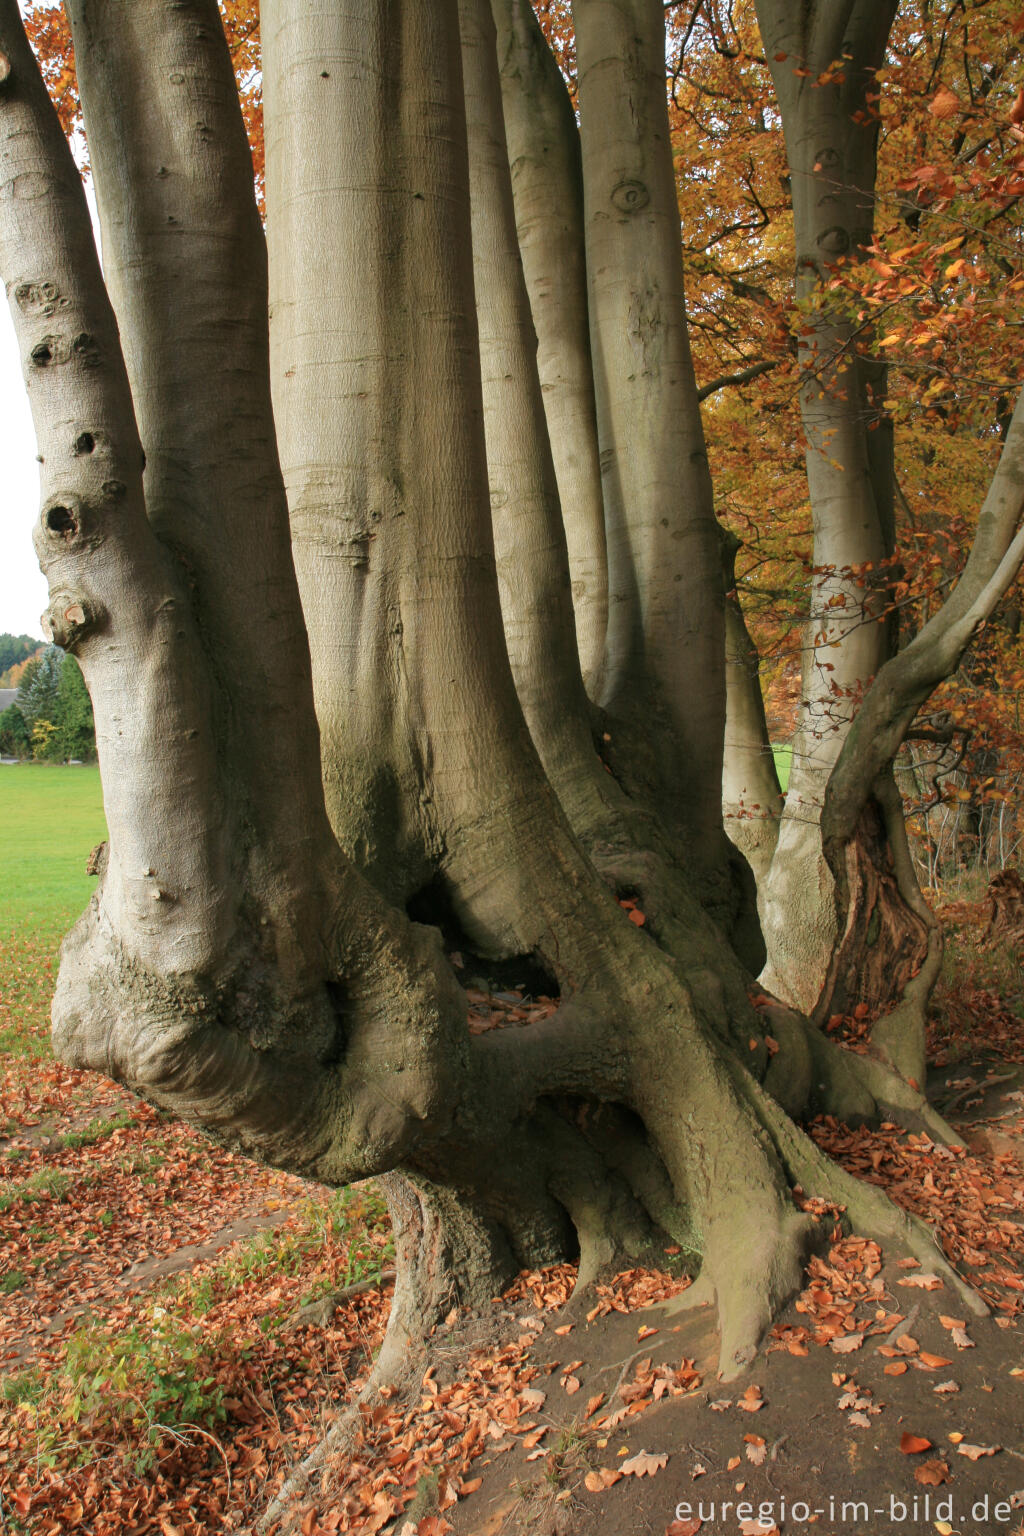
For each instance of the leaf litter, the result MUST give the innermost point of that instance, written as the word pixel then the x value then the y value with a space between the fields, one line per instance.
pixel 99 1182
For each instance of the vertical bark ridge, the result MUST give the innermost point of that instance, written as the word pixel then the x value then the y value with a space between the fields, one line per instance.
pixel 752 800
pixel 547 186
pixel 664 656
pixel 530 541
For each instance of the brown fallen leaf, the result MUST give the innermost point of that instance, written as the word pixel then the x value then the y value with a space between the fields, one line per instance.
pixel 961 1338
pixel 976 1452
pixel 933 1362
pixel 922 1282
pixel 645 1333
pixel 896 1368
pixel 732 1464
pixel 593 1404
pixel 755 1528
pixel 932 1473
pixel 946 1386
pixel 571 1385
pixel 757 1450
pixel 909 1345
pixel 644 1464
pixel 861 1420
pixel 531 1398
pixel 913 1445
pixel 602 1478
pixel 751 1400
pixel 846 1343
pixel 721 1405
pixel 953 1322
pixel 683 1528
pixel 565 1328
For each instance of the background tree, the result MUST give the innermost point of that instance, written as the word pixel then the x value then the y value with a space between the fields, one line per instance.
pixel 37 691
pixel 14 736
pixel 54 707
pixel 15 650
pixel 73 715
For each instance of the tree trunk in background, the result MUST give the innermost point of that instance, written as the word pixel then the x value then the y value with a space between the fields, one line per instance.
pixel 825 953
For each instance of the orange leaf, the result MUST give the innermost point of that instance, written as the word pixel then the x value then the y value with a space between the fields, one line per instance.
pixel 932 1473
pixel 944 103
pixel 604 1477
pixel 913 1445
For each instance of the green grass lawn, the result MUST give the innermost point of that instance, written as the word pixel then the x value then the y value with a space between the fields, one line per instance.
pixel 783 759
pixel 50 819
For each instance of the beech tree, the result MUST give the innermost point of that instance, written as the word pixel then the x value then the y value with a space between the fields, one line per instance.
pixel 317 581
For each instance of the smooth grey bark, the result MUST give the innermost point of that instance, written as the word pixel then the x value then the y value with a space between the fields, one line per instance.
pixel 663 678
pixel 622 807
pixel 526 515
pixel 313 1024
pixel 831 135
pixel 752 800
pixel 547 185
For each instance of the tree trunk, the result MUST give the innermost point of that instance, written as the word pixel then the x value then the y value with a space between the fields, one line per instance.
pixel 247 975
pixel 663 678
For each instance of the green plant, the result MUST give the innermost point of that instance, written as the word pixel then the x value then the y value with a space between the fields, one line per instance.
pixel 96 1130
pixel 45 1183
pixel 143 1380
pixel 12 1281
pixel 25 1387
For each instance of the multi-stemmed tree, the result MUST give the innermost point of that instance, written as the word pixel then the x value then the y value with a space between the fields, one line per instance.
pixel 330 640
